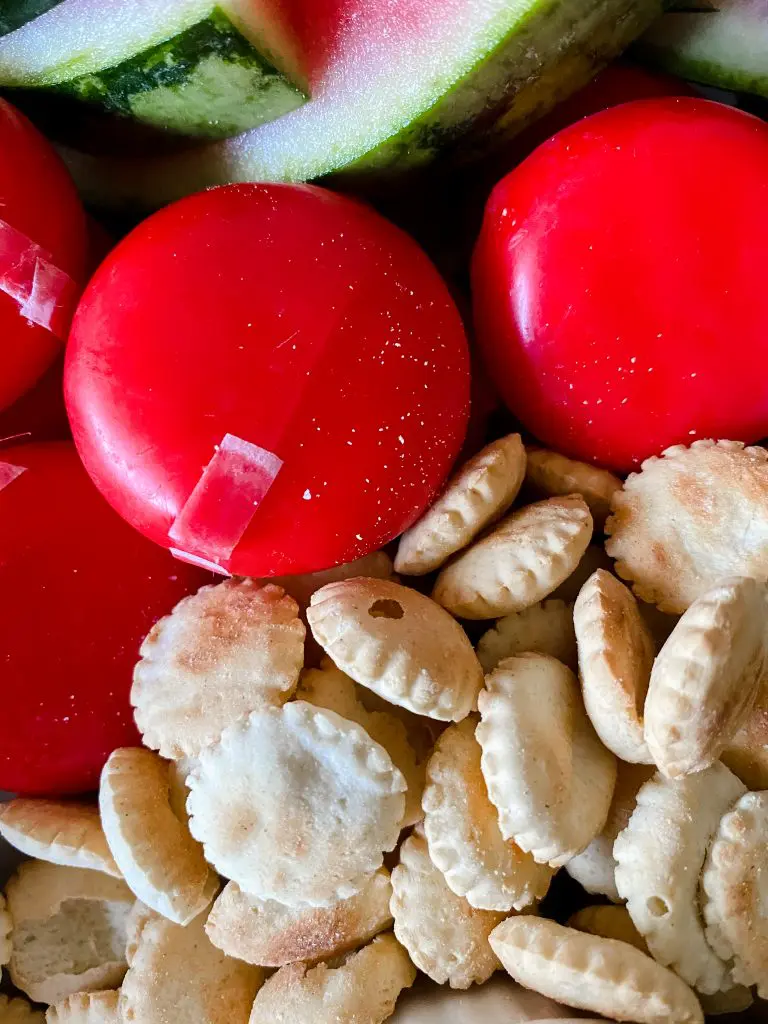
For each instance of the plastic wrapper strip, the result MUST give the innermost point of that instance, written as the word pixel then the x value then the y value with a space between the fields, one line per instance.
pixel 220 508
pixel 46 295
pixel 9 472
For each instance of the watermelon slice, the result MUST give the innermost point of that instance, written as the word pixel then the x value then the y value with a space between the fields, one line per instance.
pixel 726 45
pixel 15 13
pixel 182 65
pixel 394 81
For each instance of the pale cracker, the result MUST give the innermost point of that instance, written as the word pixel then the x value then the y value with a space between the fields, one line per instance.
pixel 520 562
pixel 705 680
pixel 270 934
pixel 548 775
pixel 445 936
pixel 159 859
pixel 591 973
pixel 595 868
pixel 609 922
pixel 659 858
pixel 747 753
pixel 399 644
pixel 328 687
pixel 85 1008
pixel 139 916
pixel 178 977
pixel 6 927
pixel 546 628
pixel 555 475
pixel 361 990
pixel 462 830
pixel 735 884
pixel 223 652
pixel 177 783
pixel 296 804
pixel 60 831
pixel 478 494
pixel 615 657
pixel 19 1011
pixel 689 518
pixel 69 929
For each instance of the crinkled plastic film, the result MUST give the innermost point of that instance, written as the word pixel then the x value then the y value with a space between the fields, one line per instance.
pixel 220 508
pixel 46 295
pixel 9 473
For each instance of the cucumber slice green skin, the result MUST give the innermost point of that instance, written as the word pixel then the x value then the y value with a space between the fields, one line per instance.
pixel 727 47
pixel 207 82
pixel 15 13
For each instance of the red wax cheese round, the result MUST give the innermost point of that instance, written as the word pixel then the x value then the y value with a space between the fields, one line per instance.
pixel 80 590
pixel 272 377
pixel 43 242
pixel 618 281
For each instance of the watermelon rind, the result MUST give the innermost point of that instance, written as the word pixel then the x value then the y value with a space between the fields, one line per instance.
pixel 190 71
pixel 15 13
pixel 726 46
pixel 466 83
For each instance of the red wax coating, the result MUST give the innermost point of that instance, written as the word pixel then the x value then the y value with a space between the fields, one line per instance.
pixel 80 591
pixel 619 286
pixel 297 320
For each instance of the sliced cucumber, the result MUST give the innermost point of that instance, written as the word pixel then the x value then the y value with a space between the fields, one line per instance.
pixel 15 13
pixel 726 46
pixel 181 65
pixel 411 77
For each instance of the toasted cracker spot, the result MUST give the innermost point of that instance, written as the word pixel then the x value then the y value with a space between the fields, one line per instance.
pixel 689 518
pixel 363 989
pixel 547 773
pixel 735 885
pixel 659 858
pixel 19 1011
pixel 399 644
pixel 609 923
pixel 178 976
pixel 595 868
pixel 705 680
pixel 328 687
pixel 85 1008
pixel 747 753
pixel 520 562
pixel 296 804
pixel 615 658
pixel 158 857
pixel 482 491
pixel 462 830
pixel 227 650
pixel 270 934
pixel 445 936
pixel 69 930
pixel 546 628
pixel 556 475
pixel 59 831
pixel 592 973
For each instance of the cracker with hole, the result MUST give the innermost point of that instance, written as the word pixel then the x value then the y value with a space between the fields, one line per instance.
pixel 548 775
pixel 705 679
pixel 519 563
pixel 477 495
pixel 65 832
pixel 85 1008
pixel 362 989
pixel 735 885
pixel 462 829
pixel 159 859
pixel 689 518
pixel 545 628
pixel 595 868
pixel 69 930
pixel 399 644
pixel 296 804
pixel 592 973
pixel 19 1011
pixel 616 653
pixel 445 936
pixel 177 975
pixel 328 687
pixel 659 859
pixel 227 650
pixel 555 475
pixel 270 934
